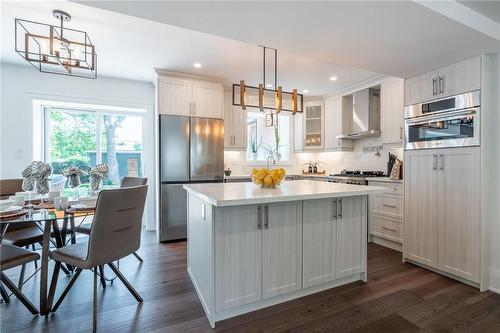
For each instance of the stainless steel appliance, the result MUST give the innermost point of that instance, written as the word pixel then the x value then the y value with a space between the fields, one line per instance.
pixel 191 151
pixel 448 122
pixel 353 177
pixel 365 105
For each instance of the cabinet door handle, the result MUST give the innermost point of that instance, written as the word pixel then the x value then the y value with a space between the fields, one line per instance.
pixel 441 162
pixel 266 217
pixel 393 230
pixel 434 161
pixel 441 84
pixel 434 88
pixel 334 209
pixel 339 208
pixel 390 206
pixel 401 132
pixel 259 218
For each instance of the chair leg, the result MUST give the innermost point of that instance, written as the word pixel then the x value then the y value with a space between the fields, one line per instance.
pixel 4 294
pixel 8 283
pixel 53 284
pixel 21 277
pixel 137 256
pixel 125 282
pixel 66 290
pixel 36 261
pixel 101 274
pixel 94 303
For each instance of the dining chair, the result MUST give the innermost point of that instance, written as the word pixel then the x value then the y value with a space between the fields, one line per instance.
pixel 115 233
pixel 10 257
pixel 126 182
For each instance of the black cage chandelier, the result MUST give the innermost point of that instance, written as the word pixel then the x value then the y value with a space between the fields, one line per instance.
pixel 268 97
pixel 56 49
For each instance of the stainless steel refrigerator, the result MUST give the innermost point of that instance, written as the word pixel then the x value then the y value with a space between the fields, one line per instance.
pixel 191 151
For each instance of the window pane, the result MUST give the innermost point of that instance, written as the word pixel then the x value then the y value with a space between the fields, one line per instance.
pixel 71 141
pixel 268 138
pixel 121 142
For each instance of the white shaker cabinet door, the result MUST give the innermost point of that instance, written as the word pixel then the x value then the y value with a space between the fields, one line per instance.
pixel 392 110
pixel 459 78
pixel 208 100
pixel 459 212
pixel 238 256
pixel 282 248
pixel 319 235
pixel 421 88
pixel 174 97
pixel 351 236
pixel 420 234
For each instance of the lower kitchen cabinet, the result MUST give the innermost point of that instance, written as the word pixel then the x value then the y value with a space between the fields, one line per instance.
pixel 351 236
pixel 442 210
pixel 238 253
pixel 282 248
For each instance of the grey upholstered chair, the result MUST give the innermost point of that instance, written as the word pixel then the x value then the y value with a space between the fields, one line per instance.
pixel 12 256
pixel 115 233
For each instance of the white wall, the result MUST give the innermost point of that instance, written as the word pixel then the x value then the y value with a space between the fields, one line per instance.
pixel 20 85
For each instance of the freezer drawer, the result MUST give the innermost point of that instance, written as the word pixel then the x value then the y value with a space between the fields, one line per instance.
pixel 173 213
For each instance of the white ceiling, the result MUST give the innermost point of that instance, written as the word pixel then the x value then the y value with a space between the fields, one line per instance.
pixel 130 47
pixel 490 9
pixel 398 38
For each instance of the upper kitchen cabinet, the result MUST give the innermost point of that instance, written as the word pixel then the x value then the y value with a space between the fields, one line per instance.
pixel 392 110
pixel 313 135
pixel 454 79
pixel 235 125
pixel 336 119
pixel 190 97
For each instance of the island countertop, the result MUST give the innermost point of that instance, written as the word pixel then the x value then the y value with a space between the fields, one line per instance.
pixel 235 194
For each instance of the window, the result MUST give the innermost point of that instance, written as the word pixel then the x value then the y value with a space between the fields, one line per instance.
pixel 84 138
pixel 263 139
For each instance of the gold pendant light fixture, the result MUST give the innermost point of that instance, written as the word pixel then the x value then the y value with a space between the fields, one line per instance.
pixel 263 97
pixel 56 49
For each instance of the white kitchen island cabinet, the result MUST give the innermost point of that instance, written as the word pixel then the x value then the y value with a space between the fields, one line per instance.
pixel 250 248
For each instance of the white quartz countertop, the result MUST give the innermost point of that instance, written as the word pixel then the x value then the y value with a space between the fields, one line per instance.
pixel 236 194
pixel 384 179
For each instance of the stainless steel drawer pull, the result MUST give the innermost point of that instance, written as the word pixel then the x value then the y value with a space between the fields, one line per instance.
pixel 391 206
pixel 339 208
pixel 259 218
pixel 393 230
pixel 266 217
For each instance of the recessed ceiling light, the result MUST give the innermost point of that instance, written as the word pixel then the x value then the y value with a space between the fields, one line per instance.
pixel 197 65
pixel 269 85
pixel 305 91
pixel 333 78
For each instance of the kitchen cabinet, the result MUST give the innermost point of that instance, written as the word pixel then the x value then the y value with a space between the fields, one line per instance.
pixel 454 79
pixel 392 111
pixel 313 117
pixel 297 132
pixel 186 97
pixel 420 174
pixel 282 248
pixel 336 119
pixel 350 254
pixel 442 210
pixel 238 249
pixel 235 125
pixel 459 212
pixel 319 234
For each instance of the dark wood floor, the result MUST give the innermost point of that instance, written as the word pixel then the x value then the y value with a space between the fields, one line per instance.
pixel 397 298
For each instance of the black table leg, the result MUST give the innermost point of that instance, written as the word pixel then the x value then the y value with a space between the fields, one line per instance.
pixel 44 270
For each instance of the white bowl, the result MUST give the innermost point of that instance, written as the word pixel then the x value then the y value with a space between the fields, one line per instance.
pixel 4 204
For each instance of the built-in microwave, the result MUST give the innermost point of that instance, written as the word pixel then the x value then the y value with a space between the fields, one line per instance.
pixel 448 122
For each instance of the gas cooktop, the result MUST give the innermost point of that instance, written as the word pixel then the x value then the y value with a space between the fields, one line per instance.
pixel 358 173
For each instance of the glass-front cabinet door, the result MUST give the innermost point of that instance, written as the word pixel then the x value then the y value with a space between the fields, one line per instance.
pixel 313 125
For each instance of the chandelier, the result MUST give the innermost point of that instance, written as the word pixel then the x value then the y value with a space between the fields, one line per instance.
pixel 268 97
pixel 56 49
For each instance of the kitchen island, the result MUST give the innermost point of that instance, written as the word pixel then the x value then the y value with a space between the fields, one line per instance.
pixel 251 247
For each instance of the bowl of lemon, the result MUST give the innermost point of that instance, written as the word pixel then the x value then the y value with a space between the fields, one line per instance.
pixel 268 177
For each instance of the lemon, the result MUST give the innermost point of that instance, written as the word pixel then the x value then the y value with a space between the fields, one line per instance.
pixel 261 174
pixel 268 181
pixel 254 171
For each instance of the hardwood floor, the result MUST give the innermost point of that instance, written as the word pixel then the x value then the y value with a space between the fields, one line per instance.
pixel 397 298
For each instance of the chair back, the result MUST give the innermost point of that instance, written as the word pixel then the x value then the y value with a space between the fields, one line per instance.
pixel 116 228
pixel 133 181
pixel 9 187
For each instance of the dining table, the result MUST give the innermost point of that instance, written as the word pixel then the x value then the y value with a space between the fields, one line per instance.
pixel 50 222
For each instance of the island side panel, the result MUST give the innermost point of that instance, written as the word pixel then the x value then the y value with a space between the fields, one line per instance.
pixel 201 252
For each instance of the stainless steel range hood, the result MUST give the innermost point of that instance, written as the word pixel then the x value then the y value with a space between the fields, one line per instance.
pixel 365 108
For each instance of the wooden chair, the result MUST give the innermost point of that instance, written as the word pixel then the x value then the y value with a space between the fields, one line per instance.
pixel 10 257
pixel 115 234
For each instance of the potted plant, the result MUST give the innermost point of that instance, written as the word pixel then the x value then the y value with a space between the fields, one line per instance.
pixel 254 147
pixel 277 142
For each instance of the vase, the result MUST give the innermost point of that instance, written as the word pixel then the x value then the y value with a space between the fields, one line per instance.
pixel 254 156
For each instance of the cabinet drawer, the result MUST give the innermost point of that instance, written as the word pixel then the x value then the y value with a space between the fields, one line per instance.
pixel 392 187
pixel 386 204
pixel 386 227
